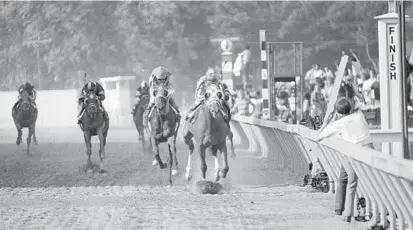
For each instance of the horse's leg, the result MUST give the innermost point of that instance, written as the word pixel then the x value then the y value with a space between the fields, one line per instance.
pixel 158 160
pixel 224 154
pixel 172 155
pixel 19 134
pixel 102 154
pixel 29 138
pixel 214 150
pixel 170 163
pixel 190 143
pixel 88 142
pixel 34 135
pixel 231 139
pixel 204 167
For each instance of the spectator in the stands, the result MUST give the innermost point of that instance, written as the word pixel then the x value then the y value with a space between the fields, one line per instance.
pixel 328 74
pixel 242 104
pixel 318 103
pixel 367 87
pixel 375 88
pixel 257 102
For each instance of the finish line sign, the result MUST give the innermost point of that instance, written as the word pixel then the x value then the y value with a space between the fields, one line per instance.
pixel 392 41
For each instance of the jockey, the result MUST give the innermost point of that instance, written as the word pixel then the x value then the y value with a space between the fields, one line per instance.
pixel 142 90
pixel 159 77
pixel 201 87
pixel 32 95
pixel 100 93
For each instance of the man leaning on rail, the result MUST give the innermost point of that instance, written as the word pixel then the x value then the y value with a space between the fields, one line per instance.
pixel 350 125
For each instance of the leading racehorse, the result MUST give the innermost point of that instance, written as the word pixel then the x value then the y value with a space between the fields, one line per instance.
pixel 138 118
pixel 25 117
pixel 209 130
pixel 163 128
pixel 94 124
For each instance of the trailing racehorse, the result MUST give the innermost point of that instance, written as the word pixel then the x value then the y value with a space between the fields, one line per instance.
pixel 138 118
pixel 94 124
pixel 164 125
pixel 209 129
pixel 25 117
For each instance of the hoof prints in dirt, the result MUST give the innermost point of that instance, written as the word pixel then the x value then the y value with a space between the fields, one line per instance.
pixel 209 187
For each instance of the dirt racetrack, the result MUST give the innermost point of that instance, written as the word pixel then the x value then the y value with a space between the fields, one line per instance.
pixel 49 189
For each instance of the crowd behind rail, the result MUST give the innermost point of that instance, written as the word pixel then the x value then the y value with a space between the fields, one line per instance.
pixel 363 80
pixel 359 97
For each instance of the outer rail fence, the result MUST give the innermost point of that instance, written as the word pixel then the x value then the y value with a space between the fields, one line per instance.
pixel 386 182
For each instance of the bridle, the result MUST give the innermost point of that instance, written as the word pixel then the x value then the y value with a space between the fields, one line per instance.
pixel 90 96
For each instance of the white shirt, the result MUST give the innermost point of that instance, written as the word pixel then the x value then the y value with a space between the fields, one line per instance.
pixel 257 106
pixel 246 56
pixel 367 90
pixel 318 73
pixel 352 128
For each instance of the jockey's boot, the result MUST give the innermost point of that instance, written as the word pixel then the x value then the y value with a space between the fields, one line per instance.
pixel 227 111
pixel 79 117
pixel 146 114
pixel 175 107
pixel 15 106
pixel 134 109
pixel 105 114
pixel 191 110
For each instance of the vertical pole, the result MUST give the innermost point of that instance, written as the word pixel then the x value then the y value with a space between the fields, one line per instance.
pixel 39 72
pixel 302 81
pixel 401 25
pixel 264 75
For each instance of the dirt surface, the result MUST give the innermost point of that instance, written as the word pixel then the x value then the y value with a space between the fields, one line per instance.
pixel 49 189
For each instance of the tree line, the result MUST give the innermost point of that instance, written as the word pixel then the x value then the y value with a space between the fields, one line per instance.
pixel 68 39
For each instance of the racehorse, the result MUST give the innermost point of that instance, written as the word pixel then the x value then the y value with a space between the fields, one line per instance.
pixel 209 130
pixel 94 124
pixel 25 117
pixel 163 128
pixel 138 118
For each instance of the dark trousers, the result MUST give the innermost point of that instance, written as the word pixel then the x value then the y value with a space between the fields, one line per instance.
pixel 341 189
pixel 346 189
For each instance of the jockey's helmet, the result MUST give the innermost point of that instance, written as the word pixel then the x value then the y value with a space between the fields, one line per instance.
pixel 144 85
pixel 28 86
pixel 91 85
pixel 161 74
pixel 210 75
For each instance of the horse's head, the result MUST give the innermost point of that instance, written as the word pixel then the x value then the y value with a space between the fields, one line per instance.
pixel 162 99
pixel 25 105
pixel 213 98
pixel 92 104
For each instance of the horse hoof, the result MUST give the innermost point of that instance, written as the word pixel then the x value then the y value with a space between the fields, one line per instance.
pixel 163 166
pixel 35 142
pixel 102 171
pixel 188 177
pixel 223 174
pixel 140 138
pixel 155 163
pixel 217 178
pixel 18 142
pixel 174 172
